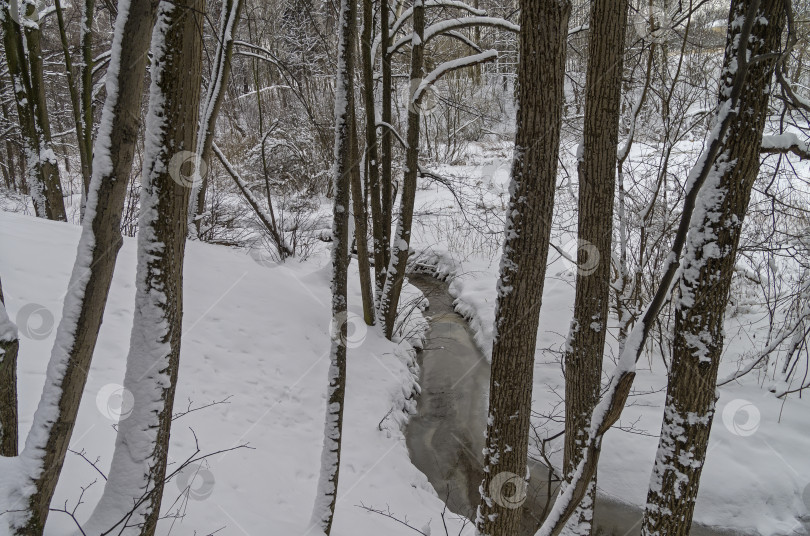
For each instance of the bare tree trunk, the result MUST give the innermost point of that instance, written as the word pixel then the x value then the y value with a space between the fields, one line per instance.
pixel 76 104
pixel 360 222
pixel 707 269
pixel 76 336
pixel 86 94
pixel 217 88
pixel 400 249
pixel 386 155
pixel 137 474
pixel 541 73
pixel 38 173
pixel 378 222
pixel 597 177
pixel 326 496
pixel 9 345
pixel 55 203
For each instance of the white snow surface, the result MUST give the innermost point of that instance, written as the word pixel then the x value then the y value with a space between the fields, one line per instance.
pixel 258 332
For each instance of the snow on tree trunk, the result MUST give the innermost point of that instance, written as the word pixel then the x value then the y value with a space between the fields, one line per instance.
pixel 707 269
pixel 38 173
pixel 9 345
pixel 541 73
pixel 46 445
pixel 326 495
pixel 218 87
pixel 597 172
pixel 400 249
pixel 133 492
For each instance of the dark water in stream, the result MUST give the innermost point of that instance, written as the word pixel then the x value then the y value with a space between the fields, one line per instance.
pixel 446 437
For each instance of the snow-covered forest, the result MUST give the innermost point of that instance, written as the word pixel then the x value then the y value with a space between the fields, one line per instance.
pixel 457 267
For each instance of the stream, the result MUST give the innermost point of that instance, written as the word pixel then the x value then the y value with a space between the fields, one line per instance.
pixel 446 437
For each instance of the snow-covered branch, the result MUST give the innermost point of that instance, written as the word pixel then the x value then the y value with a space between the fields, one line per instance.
pixel 788 142
pixel 451 65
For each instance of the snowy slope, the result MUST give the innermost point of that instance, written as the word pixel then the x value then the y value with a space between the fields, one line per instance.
pixel 253 331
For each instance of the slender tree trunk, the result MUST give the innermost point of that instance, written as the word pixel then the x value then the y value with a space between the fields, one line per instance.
pixel 55 203
pixel 86 94
pixel 360 223
pixel 135 483
pixel 209 111
pixel 400 249
pixel 9 346
pixel 372 162
pixel 326 496
pixel 16 59
pixel 76 104
pixel 541 73
pixel 708 266
pixel 597 177
pixel 386 155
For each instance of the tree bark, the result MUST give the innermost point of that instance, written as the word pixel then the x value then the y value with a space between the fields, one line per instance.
pixel 386 145
pixel 597 178
pixel 378 222
pixel 138 470
pixel 360 223
pixel 217 89
pixel 95 262
pixel 400 249
pixel 541 72
pixel 326 496
pixel 707 270
pixel 9 346
pixel 54 199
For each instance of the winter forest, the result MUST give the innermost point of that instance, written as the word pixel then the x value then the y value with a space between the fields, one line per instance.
pixel 400 267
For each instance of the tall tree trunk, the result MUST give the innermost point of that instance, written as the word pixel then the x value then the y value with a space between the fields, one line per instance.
pixel 386 155
pixel 134 488
pixel 400 249
pixel 36 178
pixel 9 345
pixel 76 104
pixel 76 336
pixel 86 93
pixel 372 161
pixel 541 73
pixel 326 496
pixel 360 222
pixel 54 199
pixel 597 177
pixel 215 94
pixel 707 269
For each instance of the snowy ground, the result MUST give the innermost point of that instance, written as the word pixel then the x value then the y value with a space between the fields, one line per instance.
pixel 253 331
pixel 757 476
